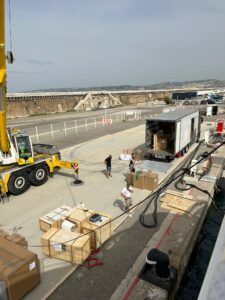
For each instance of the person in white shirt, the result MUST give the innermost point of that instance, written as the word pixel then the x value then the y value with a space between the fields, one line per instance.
pixel 126 194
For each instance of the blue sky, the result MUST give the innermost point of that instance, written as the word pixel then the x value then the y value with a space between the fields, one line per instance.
pixel 84 43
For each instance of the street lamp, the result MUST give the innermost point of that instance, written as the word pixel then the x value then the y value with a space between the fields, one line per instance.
pixel 171 80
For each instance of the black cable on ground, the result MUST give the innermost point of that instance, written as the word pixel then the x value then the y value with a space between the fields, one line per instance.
pixel 155 197
pixel 157 192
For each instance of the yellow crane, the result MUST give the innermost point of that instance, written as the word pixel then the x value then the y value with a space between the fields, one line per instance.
pixel 20 164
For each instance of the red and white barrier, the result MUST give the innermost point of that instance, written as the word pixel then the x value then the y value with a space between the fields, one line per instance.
pixel 106 121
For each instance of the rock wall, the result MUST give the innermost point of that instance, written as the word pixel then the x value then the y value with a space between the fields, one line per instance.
pixel 25 106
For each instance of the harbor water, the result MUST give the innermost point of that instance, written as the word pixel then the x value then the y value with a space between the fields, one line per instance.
pixel 192 280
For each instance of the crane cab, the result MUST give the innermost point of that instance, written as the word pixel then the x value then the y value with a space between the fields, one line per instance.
pixel 23 147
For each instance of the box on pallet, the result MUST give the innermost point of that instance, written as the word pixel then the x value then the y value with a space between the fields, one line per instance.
pixel 151 181
pixel 162 144
pixel 130 177
pixel 138 180
pixel 19 269
pixel 99 231
pixel 66 245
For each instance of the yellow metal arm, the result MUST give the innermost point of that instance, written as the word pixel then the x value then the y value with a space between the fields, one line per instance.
pixel 4 147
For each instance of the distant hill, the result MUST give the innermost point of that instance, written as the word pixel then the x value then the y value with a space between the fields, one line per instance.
pixel 199 84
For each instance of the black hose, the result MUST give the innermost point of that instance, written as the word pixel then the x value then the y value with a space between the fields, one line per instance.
pixel 163 186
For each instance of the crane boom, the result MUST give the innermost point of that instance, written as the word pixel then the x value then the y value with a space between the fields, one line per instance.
pixel 4 145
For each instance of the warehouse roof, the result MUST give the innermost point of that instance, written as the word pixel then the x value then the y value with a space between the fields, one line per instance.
pixel 174 115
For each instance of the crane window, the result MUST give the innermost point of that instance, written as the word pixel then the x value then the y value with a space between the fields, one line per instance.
pixel 24 146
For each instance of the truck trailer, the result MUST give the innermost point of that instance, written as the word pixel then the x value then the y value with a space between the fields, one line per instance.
pixel 170 134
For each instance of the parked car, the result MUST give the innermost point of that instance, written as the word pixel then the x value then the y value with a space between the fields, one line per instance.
pixel 211 102
pixel 203 102
pixel 194 102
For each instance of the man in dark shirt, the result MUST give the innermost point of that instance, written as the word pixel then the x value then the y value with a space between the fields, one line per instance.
pixel 108 163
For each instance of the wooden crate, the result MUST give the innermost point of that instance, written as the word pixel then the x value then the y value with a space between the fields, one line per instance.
pixel 48 222
pixel 54 218
pixel 101 232
pixel 45 241
pixel 60 244
pixel 80 215
pixel 81 249
pixel 66 245
pixel 64 210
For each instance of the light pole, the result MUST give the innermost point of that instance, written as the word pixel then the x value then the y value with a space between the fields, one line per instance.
pixel 171 80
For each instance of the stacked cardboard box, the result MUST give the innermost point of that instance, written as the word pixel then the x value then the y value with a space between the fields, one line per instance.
pixel 66 245
pixel 130 177
pixel 55 218
pixel 137 154
pixel 151 181
pixel 139 180
pixel 19 269
pixel 145 180
pixel 127 151
pixel 99 231
pixel 162 144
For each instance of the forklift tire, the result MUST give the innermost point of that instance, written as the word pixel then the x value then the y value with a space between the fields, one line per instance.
pixel 18 183
pixel 39 175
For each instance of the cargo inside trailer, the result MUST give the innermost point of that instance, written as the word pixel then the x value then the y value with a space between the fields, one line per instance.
pixel 161 136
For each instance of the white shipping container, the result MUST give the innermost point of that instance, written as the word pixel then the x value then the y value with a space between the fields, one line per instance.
pixel 178 129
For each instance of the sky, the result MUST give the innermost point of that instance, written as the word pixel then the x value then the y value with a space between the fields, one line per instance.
pixel 88 43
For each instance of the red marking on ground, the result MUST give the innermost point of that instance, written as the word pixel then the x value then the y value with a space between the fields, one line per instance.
pixel 131 288
pixel 167 231
pixel 137 279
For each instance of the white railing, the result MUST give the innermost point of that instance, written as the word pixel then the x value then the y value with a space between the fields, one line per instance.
pixel 81 125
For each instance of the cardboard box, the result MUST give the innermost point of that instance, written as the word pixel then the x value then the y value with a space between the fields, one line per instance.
pixel 17 239
pixel 3 233
pixel 19 269
pixel 137 156
pixel 162 144
pixel 130 177
pixel 151 181
pixel 102 230
pixel 138 181
pixel 66 245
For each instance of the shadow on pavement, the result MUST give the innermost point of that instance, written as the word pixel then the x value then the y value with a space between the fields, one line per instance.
pixel 119 203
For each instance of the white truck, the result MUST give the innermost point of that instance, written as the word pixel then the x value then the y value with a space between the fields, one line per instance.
pixel 170 134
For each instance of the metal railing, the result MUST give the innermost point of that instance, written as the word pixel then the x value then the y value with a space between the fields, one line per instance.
pixel 75 126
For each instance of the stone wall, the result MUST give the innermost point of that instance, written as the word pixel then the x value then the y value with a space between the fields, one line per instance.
pixel 32 106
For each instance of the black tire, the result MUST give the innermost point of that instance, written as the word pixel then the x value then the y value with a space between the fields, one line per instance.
pixel 18 183
pixel 39 175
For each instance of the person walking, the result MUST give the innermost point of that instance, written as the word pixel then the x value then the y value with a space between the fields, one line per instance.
pixel 108 163
pixel 126 194
pixel 76 170
pixel 131 166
